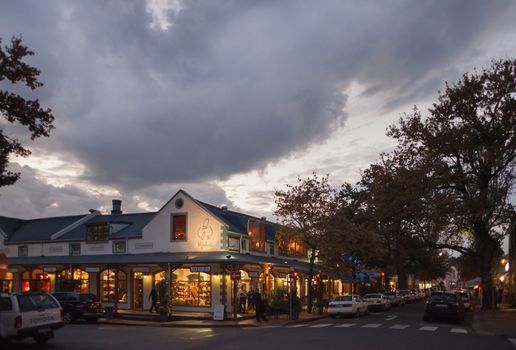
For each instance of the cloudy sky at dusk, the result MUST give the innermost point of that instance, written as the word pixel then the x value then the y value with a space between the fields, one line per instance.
pixel 229 100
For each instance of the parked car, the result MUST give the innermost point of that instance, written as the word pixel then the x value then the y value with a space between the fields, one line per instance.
pixel 377 301
pixel 347 305
pixel 35 315
pixel 407 295
pixel 79 306
pixel 465 300
pixel 395 298
pixel 444 305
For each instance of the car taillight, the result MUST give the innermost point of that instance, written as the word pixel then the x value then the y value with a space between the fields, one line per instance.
pixel 18 322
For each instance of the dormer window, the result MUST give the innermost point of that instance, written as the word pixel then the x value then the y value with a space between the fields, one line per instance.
pixel 97 232
pixel 256 236
pixel 292 248
pixel 179 227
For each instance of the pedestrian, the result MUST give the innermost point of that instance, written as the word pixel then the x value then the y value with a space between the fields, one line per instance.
pixel 242 301
pixel 250 300
pixel 153 297
pixel 260 307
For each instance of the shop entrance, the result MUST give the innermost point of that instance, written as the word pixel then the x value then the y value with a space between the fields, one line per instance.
pixel 137 290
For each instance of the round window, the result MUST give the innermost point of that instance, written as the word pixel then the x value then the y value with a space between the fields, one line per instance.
pixel 179 203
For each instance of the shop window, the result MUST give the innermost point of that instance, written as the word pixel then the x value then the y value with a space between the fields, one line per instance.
pixel 107 286
pixel 191 288
pixel 25 282
pixel 119 247
pixel 256 236
pixel 292 248
pixel 233 244
pixel 97 232
pixel 7 283
pixel 179 227
pixel 78 281
pixel 23 250
pixel 37 281
pixel 75 249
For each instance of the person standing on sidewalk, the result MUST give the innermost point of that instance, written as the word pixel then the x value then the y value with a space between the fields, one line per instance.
pixel 153 297
pixel 260 307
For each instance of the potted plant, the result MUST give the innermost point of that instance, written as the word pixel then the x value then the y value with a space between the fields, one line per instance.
pixel 165 305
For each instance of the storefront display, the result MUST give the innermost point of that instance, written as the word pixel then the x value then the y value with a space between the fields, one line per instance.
pixel 37 280
pixel 79 281
pixel 191 288
pixel 7 283
pixel 107 286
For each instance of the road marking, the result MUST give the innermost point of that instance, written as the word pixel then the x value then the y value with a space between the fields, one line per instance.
pixel 390 318
pixel 270 326
pixel 321 325
pixel 297 325
pixel 513 341
pixel 428 328
pixel 459 330
pixel 372 325
pixel 399 326
pixel 346 325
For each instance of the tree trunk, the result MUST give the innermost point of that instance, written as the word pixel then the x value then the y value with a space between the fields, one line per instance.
pixel 487 265
pixel 401 273
pixel 310 279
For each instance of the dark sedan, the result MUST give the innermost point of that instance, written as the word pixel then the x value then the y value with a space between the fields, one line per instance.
pixel 444 305
pixel 79 306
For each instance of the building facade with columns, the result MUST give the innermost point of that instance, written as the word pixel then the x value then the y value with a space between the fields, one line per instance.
pixel 120 257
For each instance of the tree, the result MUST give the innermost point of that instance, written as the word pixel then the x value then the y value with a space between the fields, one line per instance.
pixel 305 210
pixel 465 153
pixel 16 109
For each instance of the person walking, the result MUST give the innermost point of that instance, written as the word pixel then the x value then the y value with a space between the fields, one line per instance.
pixel 242 301
pixel 260 307
pixel 153 297
pixel 250 300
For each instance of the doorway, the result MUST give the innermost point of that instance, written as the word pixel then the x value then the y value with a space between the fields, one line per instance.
pixel 137 290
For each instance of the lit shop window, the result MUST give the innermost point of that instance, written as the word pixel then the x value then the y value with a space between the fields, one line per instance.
pixel 107 286
pixel 256 236
pixel 37 281
pixel 7 283
pixel 292 248
pixel 178 227
pixel 191 288
pixel 78 282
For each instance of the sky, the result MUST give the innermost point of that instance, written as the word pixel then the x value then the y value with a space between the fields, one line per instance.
pixel 229 100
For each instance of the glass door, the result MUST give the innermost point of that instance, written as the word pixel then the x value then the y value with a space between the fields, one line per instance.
pixel 137 290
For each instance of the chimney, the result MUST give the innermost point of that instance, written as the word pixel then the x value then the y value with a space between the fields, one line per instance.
pixel 224 208
pixel 264 218
pixel 117 206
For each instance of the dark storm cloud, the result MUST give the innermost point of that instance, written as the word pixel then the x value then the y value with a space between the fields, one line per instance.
pixel 231 85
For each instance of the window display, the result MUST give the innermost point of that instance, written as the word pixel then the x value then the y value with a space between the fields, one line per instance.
pixel 7 283
pixel 107 286
pixel 78 282
pixel 36 281
pixel 191 288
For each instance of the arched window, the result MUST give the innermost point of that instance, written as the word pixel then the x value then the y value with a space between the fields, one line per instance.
pixel 159 276
pixel 107 286
pixel 7 283
pixel 191 288
pixel 78 282
pixel 36 280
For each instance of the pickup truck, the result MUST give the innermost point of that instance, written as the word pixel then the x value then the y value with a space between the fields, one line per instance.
pixel 35 315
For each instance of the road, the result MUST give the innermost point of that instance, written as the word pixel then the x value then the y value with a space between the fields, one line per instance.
pixel 402 328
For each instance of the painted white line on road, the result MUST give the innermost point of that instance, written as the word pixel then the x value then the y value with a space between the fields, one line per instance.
pixel 513 341
pixel 459 330
pixel 321 325
pixel 297 325
pixel 390 318
pixel 346 325
pixel 428 328
pixel 270 326
pixel 372 325
pixel 399 326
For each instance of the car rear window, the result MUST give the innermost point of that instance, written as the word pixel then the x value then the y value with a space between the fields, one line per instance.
pixel 31 302
pixel 343 298
pixel 448 298
pixel 6 304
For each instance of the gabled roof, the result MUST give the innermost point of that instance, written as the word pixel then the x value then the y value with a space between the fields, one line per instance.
pixel 41 229
pixel 237 222
pixel 9 225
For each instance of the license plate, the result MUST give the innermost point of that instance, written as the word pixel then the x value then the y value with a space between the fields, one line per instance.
pixel 441 305
pixel 44 330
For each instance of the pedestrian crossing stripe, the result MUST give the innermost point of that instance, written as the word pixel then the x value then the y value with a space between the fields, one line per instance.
pixel 428 328
pixel 297 325
pixel 372 325
pixel 513 341
pixel 399 326
pixel 459 330
pixel 346 325
pixel 321 325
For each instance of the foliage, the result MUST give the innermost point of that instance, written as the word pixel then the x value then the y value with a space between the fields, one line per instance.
pixel 280 302
pixel 464 154
pixel 16 109
pixel 305 210
pixel 165 303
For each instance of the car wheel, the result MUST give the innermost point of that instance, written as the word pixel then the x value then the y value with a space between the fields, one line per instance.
pixel 42 338
pixel 357 314
pixel 67 318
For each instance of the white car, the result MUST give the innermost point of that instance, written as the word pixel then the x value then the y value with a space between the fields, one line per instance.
pixel 35 315
pixel 407 295
pixel 377 301
pixel 347 305
pixel 465 300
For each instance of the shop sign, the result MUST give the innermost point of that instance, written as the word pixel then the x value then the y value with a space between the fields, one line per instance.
pixel 218 313
pixel 49 269
pixel 200 268
pixel 254 274
pixel 92 269
pixel 141 269
pixel 235 275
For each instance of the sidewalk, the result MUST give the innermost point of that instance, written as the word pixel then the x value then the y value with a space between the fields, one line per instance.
pixel 495 322
pixel 207 323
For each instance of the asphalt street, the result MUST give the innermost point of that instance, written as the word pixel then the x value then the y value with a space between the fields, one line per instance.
pixel 401 328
